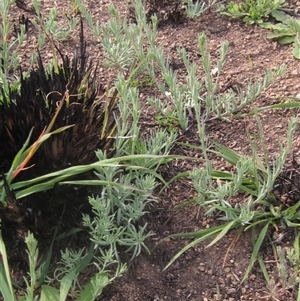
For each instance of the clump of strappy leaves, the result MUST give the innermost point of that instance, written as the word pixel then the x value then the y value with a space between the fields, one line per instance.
pixel 271 15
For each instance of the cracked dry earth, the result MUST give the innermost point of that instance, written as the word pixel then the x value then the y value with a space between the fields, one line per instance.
pixel 201 274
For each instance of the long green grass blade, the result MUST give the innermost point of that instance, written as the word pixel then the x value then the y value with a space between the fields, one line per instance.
pixel 67 280
pixel 256 249
pixel 5 284
pixel 48 181
pixel 226 153
pixel 45 267
pixel 94 288
pixel 69 233
pixel 226 228
pixel 65 285
pixel 263 269
pixel 190 245
pixel 87 259
pixel 49 293
pixel 202 236
pixel 286 105
pixel 197 234
pixel 78 169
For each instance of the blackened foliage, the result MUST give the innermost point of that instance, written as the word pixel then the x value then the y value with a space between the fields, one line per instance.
pixel 167 11
pixel 36 103
pixel 22 21
pixel 25 7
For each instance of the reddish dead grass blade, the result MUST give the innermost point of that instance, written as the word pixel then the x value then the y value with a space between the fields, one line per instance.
pixel 33 149
pixel 37 143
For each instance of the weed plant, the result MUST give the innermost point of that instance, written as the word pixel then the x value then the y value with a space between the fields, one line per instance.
pixel 253 11
pixel 286 28
pixel 285 31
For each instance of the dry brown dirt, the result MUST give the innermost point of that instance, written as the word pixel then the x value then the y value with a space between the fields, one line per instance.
pixel 201 272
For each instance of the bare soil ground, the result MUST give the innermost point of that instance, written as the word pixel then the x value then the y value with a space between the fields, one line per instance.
pixel 200 272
